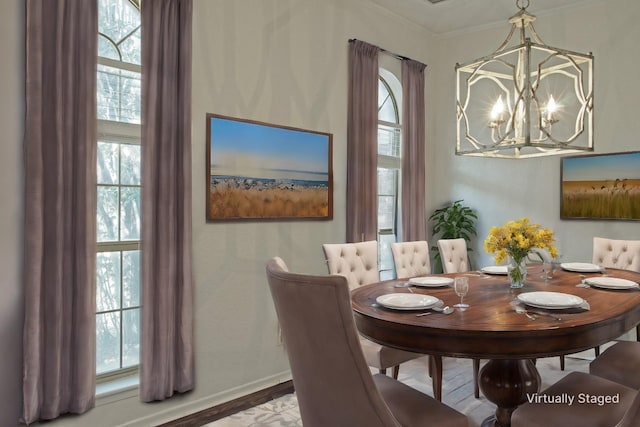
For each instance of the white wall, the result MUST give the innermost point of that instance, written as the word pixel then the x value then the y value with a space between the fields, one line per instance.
pixel 277 61
pixel 285 62
pixel 11 116
pixel 502 189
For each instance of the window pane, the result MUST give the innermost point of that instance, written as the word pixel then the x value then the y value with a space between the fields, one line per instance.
pixel 130 213
pixel 107 221
pixel 387 110
pixel 386 257
pixel 130 167
pixel 387 184
pixel 119 94
pixel 130 279
pixel 107 163
pixel 130 48
pixel 107 342
pixel 130 337
pixel 117 19
pixel 388 141
pixel 387 195
pixel 108 281
pixel 107 49
pixel 386 213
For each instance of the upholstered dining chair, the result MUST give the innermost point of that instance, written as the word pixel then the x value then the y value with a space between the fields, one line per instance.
pixel 611 253
pixel 453 254
pixel 619 363
pixel 455 259
pixel 622 254
pixel 334 386
pixel 358 263
pixel 557 412
pixel 411 258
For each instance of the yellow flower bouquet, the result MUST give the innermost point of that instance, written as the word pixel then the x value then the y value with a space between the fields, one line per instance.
pixel 515 239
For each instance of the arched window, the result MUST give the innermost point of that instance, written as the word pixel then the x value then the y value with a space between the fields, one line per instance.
pixel 389 163
pixel 118 192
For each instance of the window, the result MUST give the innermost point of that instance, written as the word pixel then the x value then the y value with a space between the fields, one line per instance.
pixel 118 188
pixel 389 163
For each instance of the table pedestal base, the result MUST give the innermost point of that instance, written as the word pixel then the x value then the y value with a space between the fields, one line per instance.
pixel 507 384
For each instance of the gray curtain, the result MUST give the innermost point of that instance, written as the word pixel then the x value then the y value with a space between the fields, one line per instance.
pixel 60 203
pixel 413 151
pixel 362 145
pixel 167 356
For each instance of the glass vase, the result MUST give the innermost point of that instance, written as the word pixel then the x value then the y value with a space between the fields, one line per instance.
pixel 517 270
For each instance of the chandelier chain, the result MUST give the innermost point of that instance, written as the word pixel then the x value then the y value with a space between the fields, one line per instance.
pixel 519 4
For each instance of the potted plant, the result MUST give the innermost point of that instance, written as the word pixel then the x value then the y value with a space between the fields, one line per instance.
pixel 453 221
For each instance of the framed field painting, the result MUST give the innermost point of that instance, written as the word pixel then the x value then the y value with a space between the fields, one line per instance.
pixel 601 186
pixel 264 171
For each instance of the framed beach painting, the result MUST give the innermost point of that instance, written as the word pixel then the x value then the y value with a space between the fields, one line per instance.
pixel 264 171
pixel 601 186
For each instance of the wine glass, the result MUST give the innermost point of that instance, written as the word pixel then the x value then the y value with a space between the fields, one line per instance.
pixel 461 287
pixel 547 272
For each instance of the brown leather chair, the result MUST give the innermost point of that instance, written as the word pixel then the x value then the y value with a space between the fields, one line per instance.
pixel 619 363
pixel 580 413
pixel 333 383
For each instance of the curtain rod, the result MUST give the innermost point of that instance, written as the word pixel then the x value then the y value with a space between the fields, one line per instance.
pixel 395 55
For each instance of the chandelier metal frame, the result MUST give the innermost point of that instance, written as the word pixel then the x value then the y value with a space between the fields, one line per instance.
pixel 548 98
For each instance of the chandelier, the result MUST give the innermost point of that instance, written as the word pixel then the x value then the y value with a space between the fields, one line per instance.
pixel 525 100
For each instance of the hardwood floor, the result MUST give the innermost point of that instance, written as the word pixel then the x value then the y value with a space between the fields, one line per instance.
pixel 457 392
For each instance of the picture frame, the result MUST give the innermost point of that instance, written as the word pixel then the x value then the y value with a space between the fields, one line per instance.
pixel 263 171
pixel 601 186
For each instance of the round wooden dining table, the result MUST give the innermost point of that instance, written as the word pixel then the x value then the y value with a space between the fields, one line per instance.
pixel 492 329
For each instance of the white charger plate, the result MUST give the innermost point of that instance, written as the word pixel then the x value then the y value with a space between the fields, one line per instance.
pixel 611 283
pixel 403 301
pixel 431 281
pixel 550 300
pixel 494 269
pixel 581 267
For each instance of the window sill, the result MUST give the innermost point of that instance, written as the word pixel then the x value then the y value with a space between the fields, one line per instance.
pixel 117 389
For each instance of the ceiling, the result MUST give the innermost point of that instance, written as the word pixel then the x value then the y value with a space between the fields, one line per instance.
pixel 450 16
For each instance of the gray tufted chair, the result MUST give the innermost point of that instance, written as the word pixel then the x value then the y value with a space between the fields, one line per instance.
pixel 454 256
pixel 358 263
pixel 333 384
pixel 411 258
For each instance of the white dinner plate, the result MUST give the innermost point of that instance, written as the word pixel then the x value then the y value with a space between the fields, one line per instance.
pixel 582 267
pixel 552 300
pixel 494 269
pixel 431 281
pixel 611 283
pixel 407 301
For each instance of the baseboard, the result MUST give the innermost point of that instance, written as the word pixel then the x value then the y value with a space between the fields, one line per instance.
pixel 229 408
